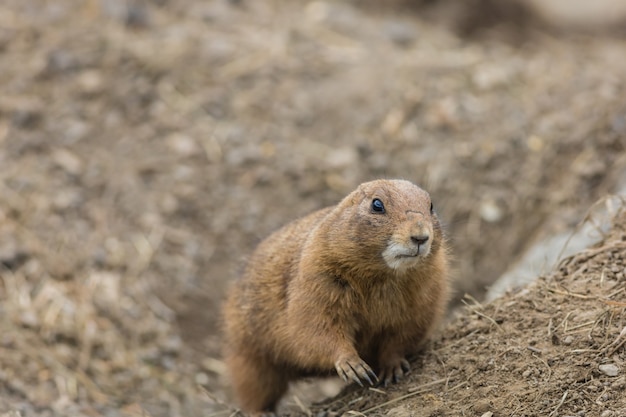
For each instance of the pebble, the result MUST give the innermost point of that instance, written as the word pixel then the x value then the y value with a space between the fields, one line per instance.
pixel 490 212
pixel 29 319
pixel 490 76
pixel 91 82
pixel 399 412
pixel 182 144
pixel 202 379
pixel 609 369
pixel 343 157
pixel 26 112
pixel 339 16
pixel 482 407
pixel 67 161
pixel 400 33
pixel 66 198
pixel 60 61
pixel 535 143
pixel 11 255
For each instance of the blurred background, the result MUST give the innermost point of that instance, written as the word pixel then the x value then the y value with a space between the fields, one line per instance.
pixel 147 146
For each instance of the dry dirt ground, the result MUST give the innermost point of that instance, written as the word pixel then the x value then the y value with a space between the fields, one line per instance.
pixel 556 348
pixel 147 146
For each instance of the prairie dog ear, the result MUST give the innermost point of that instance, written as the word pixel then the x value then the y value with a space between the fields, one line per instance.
pixel 356 197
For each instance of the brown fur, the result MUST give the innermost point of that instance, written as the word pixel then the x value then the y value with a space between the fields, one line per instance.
pixel 318 295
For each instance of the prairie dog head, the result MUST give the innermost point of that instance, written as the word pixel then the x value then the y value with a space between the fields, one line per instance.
pixel 393 220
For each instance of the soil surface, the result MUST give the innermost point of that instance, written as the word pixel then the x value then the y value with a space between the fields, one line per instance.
pixel 147 146
pixel 556 348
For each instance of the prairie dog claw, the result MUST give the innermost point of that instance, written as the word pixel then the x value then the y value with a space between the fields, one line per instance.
pixel 392 373
pixel 355 370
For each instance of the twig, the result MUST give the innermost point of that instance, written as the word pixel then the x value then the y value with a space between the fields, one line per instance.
pixel 216 400
pixel 403 397
pixel 547 366
pixel 306 410
pixel 571 294
pixel 219 413
pixel 428 384
pixel 472 299
pixel 564 322
pixel 620 344
pixel 617 303
pixel 595 323
pixel 464 382
pixel 482 315
pixel 578 326
pixel 379 391
pixel 550 326
pixel 559 405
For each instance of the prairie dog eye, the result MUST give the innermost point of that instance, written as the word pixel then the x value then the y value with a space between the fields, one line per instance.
pixel 378 206
pixel 431 208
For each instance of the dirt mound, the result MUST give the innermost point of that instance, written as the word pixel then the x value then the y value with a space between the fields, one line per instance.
pixel 555 348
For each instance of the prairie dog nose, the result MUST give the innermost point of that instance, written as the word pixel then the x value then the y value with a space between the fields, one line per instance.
pixel 420 239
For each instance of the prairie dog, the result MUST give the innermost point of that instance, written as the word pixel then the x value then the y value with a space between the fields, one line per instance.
pixel 352 288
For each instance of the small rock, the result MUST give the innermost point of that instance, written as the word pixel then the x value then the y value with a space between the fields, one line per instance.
pixel 75 131
pixel 202 379
pixel 535 143
pixel 607 413
pixel 490 76
pixel 67 161
pixel 26 112
pixel 588 164
pixel 137 15
pixel 487 414
pixel 490 212
pixel 66 198
pixel 182 144
pixel 618 123
pixel 60 61
pixel 399 412
pixel 342 17
pixel 29 319
pixel 11 255
pixel 173 344
pixel 568 340
pixel 134 14
pixel 91 82
pixel 317 11
pixel 400 33
pixel 214 365
pixel 482 406
pixel 168 204
pixel 342 158
pixel 609 369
